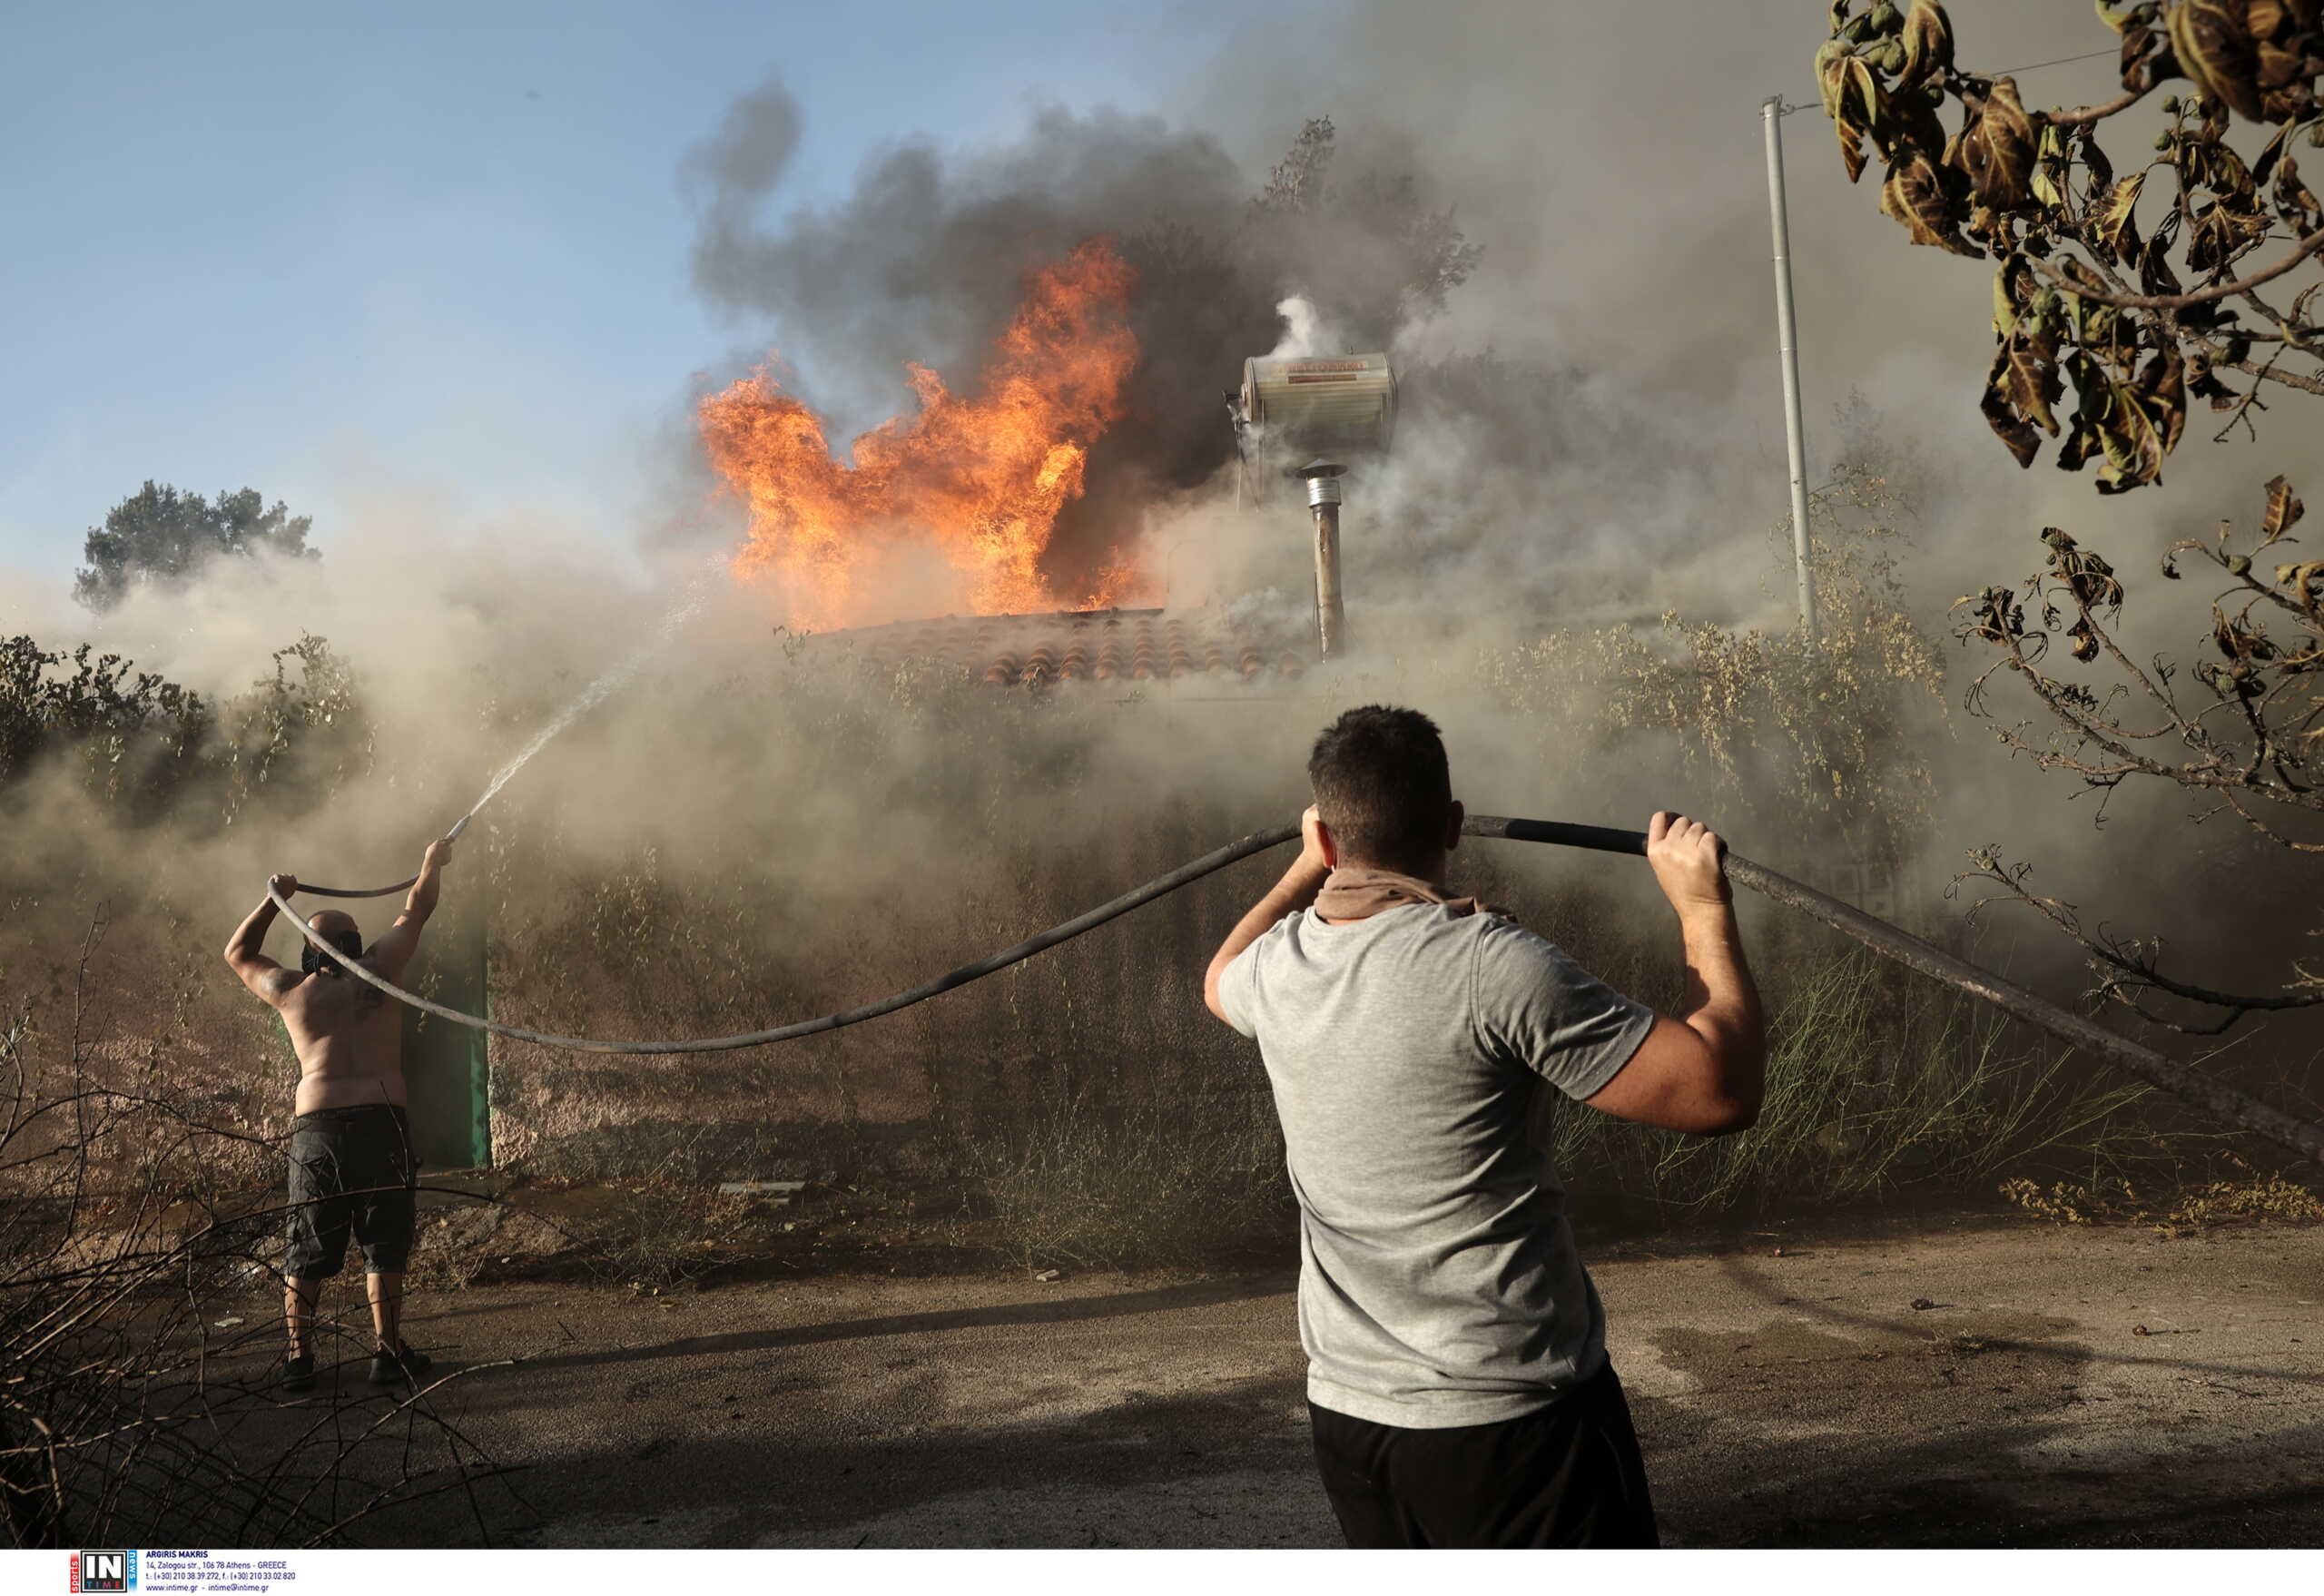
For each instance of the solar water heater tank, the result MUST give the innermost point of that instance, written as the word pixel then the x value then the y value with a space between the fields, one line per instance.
pixel 1345 405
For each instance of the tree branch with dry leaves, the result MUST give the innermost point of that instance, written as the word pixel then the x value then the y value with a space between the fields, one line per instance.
pixel 2250 742
pixel 2129 287
pixel 2128 968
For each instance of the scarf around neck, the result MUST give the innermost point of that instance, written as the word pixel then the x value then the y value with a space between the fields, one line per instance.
pixel 1358 891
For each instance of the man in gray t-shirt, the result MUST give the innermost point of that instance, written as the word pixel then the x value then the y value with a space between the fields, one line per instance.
pixel 1457 1376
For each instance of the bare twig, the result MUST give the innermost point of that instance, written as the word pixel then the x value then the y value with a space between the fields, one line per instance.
pixel 2083 116
pixel 2301 251
pixel 2126 973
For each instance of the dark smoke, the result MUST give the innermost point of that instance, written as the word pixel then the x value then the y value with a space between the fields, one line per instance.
pixel 733 170
pixel 925 261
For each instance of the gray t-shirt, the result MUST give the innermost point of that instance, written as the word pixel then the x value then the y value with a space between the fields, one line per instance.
pixel 1438 1282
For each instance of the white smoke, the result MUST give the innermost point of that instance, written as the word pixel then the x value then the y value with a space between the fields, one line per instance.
pixel 1307 333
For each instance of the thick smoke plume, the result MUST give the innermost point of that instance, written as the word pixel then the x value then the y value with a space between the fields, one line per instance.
pixel 928 260
pixel 1553 217
pixel 1592 432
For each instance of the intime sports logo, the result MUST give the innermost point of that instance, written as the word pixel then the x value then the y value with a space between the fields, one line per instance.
pixel 104 1570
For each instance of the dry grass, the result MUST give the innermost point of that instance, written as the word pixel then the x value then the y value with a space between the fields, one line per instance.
pixel 1875 1084
pixel 1197 1180
pixel 2167 1207
pixel 666 1227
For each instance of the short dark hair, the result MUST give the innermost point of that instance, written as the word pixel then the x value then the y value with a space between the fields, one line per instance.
pixel 1383 786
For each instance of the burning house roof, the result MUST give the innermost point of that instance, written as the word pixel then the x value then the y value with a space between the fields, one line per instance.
pixel 1091 646
pixel 956 504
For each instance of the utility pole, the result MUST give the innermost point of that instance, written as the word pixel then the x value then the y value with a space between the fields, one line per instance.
pixel 1787 325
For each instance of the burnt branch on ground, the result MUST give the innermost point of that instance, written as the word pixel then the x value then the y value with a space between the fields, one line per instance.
pixel 127 1418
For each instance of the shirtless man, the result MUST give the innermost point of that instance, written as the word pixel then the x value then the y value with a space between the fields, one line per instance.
pixel 351 1164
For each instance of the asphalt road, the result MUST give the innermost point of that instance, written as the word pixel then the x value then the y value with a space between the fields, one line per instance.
pixel 2061 1387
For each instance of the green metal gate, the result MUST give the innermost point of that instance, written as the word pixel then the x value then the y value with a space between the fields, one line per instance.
pixel 447 1068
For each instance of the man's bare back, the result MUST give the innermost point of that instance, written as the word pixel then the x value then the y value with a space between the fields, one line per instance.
pixel 348 1035
pixel 350 1040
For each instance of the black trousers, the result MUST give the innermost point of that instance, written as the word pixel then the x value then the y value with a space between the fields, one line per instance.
pixel 1567 1476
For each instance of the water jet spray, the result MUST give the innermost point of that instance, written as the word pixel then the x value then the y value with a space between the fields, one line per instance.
pixel 689 605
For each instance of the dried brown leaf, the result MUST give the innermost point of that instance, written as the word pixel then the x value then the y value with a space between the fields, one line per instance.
pixel 1916 195
pixel 2116 220
pixel 2284 510
pixel 2213 48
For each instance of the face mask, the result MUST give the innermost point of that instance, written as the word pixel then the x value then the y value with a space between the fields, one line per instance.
pixel 312 958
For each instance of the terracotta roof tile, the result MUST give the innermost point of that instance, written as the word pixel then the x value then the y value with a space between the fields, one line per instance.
pixel 1085 645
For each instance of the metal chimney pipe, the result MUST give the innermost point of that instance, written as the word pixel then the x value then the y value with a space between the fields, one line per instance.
pixel 1323 502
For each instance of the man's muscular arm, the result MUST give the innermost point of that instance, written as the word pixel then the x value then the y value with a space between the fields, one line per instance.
pixel 393 952
pixel 1289 896
pixel 1703 1073
pixel 263 975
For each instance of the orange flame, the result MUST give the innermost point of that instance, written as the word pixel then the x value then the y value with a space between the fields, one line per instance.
pixel 976 483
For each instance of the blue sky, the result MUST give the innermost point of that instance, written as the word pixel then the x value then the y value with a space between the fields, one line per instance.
pixel 306 248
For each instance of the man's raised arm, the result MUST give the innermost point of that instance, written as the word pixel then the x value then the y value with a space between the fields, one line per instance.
pixel 244 957
pixel 1289 896
pixel 1704 1073
pixel 393 952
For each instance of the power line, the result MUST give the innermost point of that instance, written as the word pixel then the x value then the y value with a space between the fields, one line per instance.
pixel 2061 61
pixel 1787 108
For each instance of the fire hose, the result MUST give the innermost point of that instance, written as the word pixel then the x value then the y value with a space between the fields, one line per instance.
pixel 2229 1103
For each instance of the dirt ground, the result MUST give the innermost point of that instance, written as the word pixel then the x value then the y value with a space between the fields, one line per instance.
pixel 1969 1381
